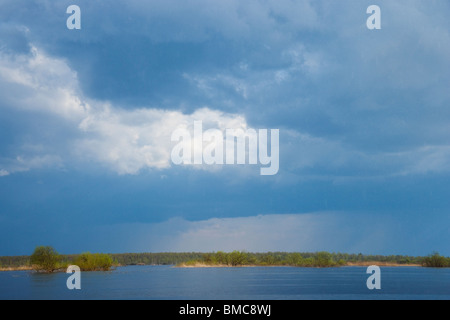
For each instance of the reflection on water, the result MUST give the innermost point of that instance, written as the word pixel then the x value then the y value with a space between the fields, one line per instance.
pixel 286 283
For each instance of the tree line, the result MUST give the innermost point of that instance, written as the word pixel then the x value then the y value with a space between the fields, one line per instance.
pixel 48 260
pixel 269 258
pixel 165 258
pixel 318 259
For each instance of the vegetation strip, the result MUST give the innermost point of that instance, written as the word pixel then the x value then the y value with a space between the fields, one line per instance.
pixel 46 259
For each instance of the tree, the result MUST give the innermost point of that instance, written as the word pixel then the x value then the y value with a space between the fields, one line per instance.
pixel 323 259
pixel 45 259
pixel 295 259
pixel 268 259
pixel 221 257
pixel 237 258
pixel 435 261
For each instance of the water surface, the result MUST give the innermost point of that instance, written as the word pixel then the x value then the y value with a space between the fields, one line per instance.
pixel 273 283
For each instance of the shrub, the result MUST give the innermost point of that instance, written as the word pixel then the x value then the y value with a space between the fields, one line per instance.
pixel 435 261
pixel 45 259
pixel 222 258
pixel 238 258
pixel 94 262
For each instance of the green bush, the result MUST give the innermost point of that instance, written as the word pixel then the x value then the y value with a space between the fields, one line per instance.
pixel 45 258
pixel 435 261
pixel 222 258
pixel 94 262
pixel 295 259
pixel 238 258
pixel 190 263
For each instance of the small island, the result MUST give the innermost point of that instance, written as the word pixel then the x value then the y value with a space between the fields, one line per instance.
pixel 311 260
pixel 45 259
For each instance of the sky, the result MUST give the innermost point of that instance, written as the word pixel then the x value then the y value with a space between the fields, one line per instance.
pixel 86 118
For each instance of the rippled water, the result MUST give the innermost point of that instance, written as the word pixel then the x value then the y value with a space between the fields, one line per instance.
pixel 274 283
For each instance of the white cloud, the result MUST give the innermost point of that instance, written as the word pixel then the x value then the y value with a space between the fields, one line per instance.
pixel 41 161
pixel 40 83
pixel 129 141
pixel 26 163
pixel 126 141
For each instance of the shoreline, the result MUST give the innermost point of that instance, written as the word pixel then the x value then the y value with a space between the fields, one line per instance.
pixel 349 264
pixel 21 268
pixel 60 270
pixel 204 265
pixel 381 264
